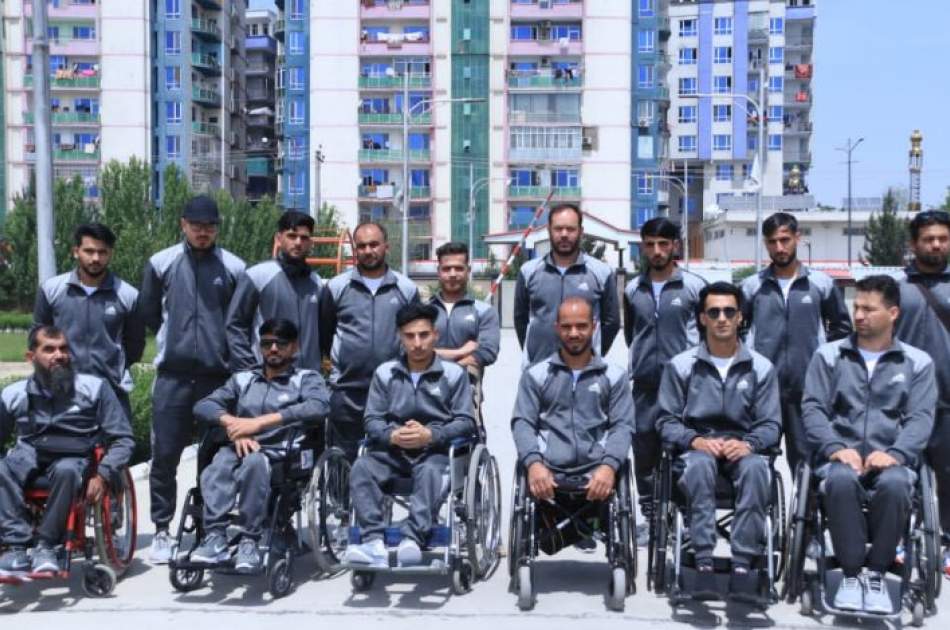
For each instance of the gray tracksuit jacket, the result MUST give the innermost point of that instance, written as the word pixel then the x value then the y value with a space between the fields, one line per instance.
pixel 275 289
pixel 358 329
pixel 105 329
pixel 655 333
pixel 787 334
pixel 892 411
pixel 541 288
pixel 91 416
pixel 185 299
pixel 572 427
pixel 300 396
pixel 696 402
pixel 442 401
pixel 919 326
pixel 470 320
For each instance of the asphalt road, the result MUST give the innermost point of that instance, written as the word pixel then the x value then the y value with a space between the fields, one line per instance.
pixel 571 586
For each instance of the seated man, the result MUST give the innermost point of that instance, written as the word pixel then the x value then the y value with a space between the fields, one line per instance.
pixel 719 412
pixel 868 411
pixel 417 405
pixel 257 410
pixel 574 412
pixel 58 417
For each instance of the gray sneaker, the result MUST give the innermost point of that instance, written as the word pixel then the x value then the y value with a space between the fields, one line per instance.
pixel 45 559
pixel 877 599
pixel 408 553
pixel 372 553
pixel 212 550
pixel 850 595
pixel 14 559
pixel 161 548
pixel 248 559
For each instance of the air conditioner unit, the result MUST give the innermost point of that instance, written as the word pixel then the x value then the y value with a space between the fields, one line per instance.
pixel 589 138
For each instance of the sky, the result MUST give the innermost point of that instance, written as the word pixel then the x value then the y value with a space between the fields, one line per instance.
pixel 879 74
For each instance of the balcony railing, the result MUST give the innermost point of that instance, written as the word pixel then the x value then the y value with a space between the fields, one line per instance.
pixel 416 81
pixel 66 118
pixel 541 192
pixel 208 63
pixel 206 29
pixel 280 26
pixel 75 155
pixel 379 191
pixel 547 81
pixel 206 95
pixel 260 167
pixel 393 155
pixel 206 129
pixel 78 83
pixel 365 118
pixel 517 117
pixel 534 154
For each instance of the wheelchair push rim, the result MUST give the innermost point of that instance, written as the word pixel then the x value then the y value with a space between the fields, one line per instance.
pixel 115 520
pixel 328 509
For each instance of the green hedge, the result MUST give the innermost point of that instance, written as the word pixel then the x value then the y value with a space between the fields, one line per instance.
pixel 15 320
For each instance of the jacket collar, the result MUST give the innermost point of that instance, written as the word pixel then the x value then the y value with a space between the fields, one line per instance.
pixel 437 300
pixel 436 367
pixel 580 262
pixel 108 283
pixel 677 276
pixel 850 345
pixel 913 272
pixel 596 363
pixel 292 268
pixel 769 272
pixel 389 278
pixel 742 354
pixel 259 374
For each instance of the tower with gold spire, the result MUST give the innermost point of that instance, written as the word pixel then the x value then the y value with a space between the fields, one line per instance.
pixel 915 164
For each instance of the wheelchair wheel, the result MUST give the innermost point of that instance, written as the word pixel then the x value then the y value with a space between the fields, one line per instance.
pixel 186 580
pixel 362 581
pixel 658 545
pixel 618 588
pixel 98 580
pixel 626 531
pixel 483 512
pixel 280 578
pixel 779 522
pixel 928 549
pixel 328 509
pixel 516 528
pixel 462 577
pixel 793 552
pixel 115 521
pixel 525 588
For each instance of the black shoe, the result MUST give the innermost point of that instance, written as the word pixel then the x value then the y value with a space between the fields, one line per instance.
pixel 586 545
pixel 704 588
pixel 744 585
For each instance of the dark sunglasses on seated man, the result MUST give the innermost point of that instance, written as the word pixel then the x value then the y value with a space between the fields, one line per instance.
pixel 268 342
pixel 715 312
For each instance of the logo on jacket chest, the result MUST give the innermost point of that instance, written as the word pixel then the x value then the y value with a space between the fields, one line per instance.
pixel 313 298
pixel 583 286
pixel 469 318
pixel 594 387
pixel 110 310
pixel 676 302
pixel 897 378
pixel 218 281
pixel 742 385
pixel 806 299
pixel 283 397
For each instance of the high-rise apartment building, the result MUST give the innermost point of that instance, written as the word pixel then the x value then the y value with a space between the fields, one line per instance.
pixel 261 49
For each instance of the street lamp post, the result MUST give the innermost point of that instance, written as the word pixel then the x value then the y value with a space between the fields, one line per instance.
pixel 474 185
pixel 849 149
pixel 682 186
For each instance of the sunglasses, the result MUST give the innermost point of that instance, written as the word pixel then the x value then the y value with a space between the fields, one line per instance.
pixel 267 344
pixel 715 312
pixel 940 215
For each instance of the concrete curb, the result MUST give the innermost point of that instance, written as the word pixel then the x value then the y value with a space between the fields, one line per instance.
pixel 140 471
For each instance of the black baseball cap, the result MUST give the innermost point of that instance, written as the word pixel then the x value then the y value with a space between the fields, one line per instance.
pixel 201 209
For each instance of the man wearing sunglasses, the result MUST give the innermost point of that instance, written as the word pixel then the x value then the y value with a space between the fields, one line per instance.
pixel 719 415
pixel 258 410
pixel 925 323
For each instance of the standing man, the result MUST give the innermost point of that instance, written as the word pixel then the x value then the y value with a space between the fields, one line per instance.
pixel 659 307
pixel 925 323
pixel 97 310
pixel 186 290
pixel 358 329
pixel 284 288
pixel 544 283
pixel 791 310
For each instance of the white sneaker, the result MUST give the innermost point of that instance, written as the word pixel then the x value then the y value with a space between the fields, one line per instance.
pixel 850 595
pixel 161 549
pixel 372 553
pixel 408 553
pixel 877 599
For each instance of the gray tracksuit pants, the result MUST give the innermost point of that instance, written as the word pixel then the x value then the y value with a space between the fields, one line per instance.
pixel 888 494
pixel 430 481
pixel 229 479
pixel 18 467
pixel 751 479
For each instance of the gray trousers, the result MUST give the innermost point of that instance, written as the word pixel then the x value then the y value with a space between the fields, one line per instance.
pixel 888 494
pixel 370 473
pixel 346 419
pixel 796 444
pixel 646 445
pixel 938 452
pixel 230 479
pixel 17 469
pixel 173 428
pixel 751 479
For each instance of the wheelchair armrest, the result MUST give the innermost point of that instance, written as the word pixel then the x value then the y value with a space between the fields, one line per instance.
pixel 459 442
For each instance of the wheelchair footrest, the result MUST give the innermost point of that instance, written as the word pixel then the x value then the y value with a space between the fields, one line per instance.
pixel 722 573
pixel 439 536
pixel 430 565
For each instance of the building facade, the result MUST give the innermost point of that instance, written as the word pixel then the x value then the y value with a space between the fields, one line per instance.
pixel 261 49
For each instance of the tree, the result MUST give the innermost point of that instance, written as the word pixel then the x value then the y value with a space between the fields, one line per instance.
pixel 946 201
pixel 886 235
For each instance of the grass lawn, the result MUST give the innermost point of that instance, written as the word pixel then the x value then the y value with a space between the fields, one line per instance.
pixel 13 345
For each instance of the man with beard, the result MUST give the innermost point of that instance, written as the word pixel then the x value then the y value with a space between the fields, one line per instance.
pixel 719 415
pixel 544 283
pixel 186 290
pixel 791 310
pixel 57 416
pixel 925 323
pixel 358 329
pixel 417 405
pixel 97 311
pixel 257 409
pixel 282 288
pixel 659 322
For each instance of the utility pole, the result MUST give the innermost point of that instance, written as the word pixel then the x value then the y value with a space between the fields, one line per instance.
pixel 318 162
pixel 46 263
pixel 849 149
pixel 763 121
pixel 686 212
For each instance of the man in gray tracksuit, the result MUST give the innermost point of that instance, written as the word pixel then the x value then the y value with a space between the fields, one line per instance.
pixel 186 290
pixel 720 415
pixel 97 310
pixel 284 288
pixel 417 405
pixel 358 329
pixel 791 310
pixel 659 322
pixel 57 416
pixel 544 283
pixel 259 410
pixel 868 412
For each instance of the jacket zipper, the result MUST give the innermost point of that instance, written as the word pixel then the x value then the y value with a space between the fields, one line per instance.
pixel 573 406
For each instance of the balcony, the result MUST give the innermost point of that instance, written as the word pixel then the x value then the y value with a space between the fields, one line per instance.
pixel 206 30
pixel 67 83
pixel 206 129
pixel 798 71
pixel 798 43
pixel 797 99
pixel 393 156
pixel 65 10
pixel 397 44
pixel 544 81
pixel 798 128
pixel 541 192
pixel 545 47
pixel 385 191
pixel 797 157
pixel 663 28
pixel 76 155
pixel 417 120
pixel 395 10
pixel 260 94
pixel 206 64
pixel 213 5
pixel 663 94
pixel 260 43
pixel 544 155
pixel 260 167
pixel 280 28
pixel 66 45
pixel 260 120
pixel 67 118
pixel 259 69
pixel 548 10
pixel 206 96
pixel 517 117
pixel 759 34
pixel 395 82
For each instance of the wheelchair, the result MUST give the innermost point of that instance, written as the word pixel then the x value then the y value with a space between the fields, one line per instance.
pixel 550 526
pixel 279 543
pixel 464 544
pixel 919 569
pixel 671 558
pixel 107 549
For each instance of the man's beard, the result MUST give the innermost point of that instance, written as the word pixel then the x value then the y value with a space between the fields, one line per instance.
pixel 932 260
pixel 791 259
pixel 581 350
pixel 94 274
pixel 60 380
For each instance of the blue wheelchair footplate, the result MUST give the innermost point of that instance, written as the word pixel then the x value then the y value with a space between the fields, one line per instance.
pixel 433 556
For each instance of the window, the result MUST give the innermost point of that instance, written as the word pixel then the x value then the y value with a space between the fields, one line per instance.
pixel 775 142
pixel 776 26
pixel 422 30
pixel 722 142
pixel 376 105
pixel 687 56
pixel 418 142
pixel 753 84
pixel 687 144
pixel 297 9
pixel 722 85
pixel 645 184
pixel 566 31
pixel 752 142
pixel 297 182
pixel 643 215
pixel 297 148
pixel 687 86
pixel 645 76
pixel 646 8
pixel 52 33
pixel 520 216
pixel 645 41
pixel 723 26
pixel 173 111
pixel 296 78
pixel 298 111
pixel 375 176
pixel 173 146
pixel 523 32
pixel 172 78
pixel 372 33
pixel 84 32
pixel 295 42
pixel 419 178
pixel 722 113
pixel 564 178
pixel 776 84
pixel 722 54
pixel 646 110
pixel 724 172
pixel 746 170
pixel 172 8
pixel 776 54
pixel 688 28
pixel 687 114
pixel 86 105
pixel 172 42
pixel 775 113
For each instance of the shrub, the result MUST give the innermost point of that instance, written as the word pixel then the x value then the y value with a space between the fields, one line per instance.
pixel 15 320
pixel 141 401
